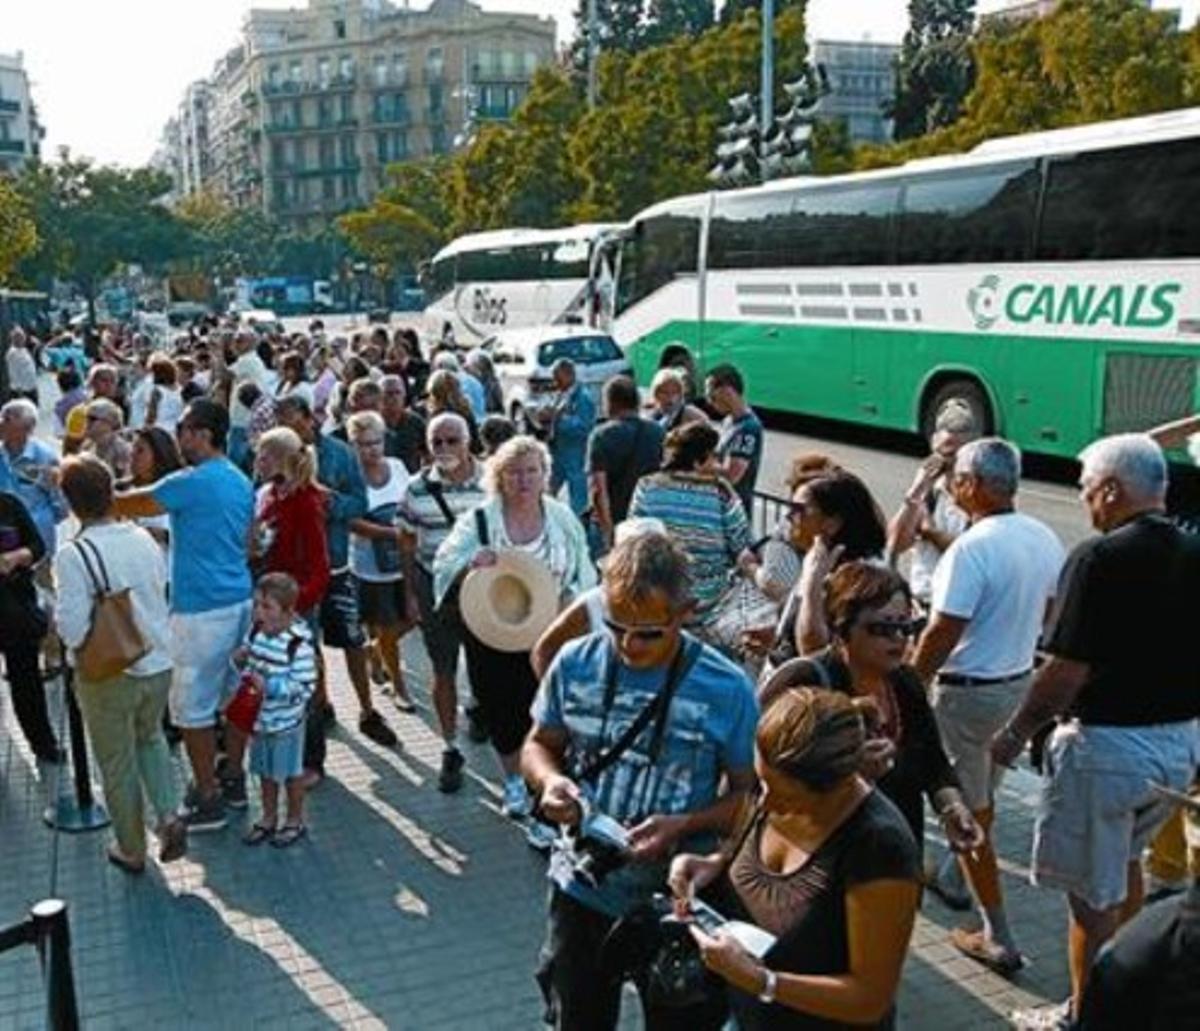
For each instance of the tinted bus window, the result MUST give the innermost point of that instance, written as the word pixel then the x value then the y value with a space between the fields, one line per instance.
pixel 1134 202
pixel 850 225
pixel 567 260
pixel 981 215
pixel 441 276
pixel 659 250
pixel 749 231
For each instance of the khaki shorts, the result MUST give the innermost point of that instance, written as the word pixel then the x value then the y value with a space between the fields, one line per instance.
pixel 1097 810
pixel 968 717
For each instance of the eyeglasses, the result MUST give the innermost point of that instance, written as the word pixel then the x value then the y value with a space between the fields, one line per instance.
pixel 368 442
pixel 893 629
pixel 446 442
pixel 645 634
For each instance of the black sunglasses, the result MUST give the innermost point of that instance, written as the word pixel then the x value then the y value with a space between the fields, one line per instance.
pixel 646 634
pixel 893 629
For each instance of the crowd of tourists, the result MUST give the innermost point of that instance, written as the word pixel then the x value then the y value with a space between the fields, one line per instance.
pixel 728 744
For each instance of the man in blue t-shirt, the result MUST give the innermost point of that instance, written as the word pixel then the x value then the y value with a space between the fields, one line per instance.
pixel 739 450
pixel 211 505
pixel 664 787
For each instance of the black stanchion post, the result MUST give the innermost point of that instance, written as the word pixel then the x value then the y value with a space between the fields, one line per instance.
pixel 83 812
pixel 53 939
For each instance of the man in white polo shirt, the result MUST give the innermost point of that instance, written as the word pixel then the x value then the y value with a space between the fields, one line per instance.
pixel 991 595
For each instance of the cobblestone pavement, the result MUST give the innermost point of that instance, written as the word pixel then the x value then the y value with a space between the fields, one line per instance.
pixel 404 908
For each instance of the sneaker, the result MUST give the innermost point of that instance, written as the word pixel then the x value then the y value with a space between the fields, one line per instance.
pixel 1055 1016
pixel 372 726
pixel 517 804
pixel 450 779
pixel 477 730
pixel 233 790
pixel 540 836
pixel 206 815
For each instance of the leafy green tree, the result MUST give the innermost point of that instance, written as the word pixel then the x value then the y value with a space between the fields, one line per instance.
pixel 18 233
pixel 91 219
pixel 734 9
pixel 620 26
pixel 669 19
pixel 935 71
pixel 833 150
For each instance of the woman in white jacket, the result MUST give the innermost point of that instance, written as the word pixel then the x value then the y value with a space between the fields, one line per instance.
pixel 124 713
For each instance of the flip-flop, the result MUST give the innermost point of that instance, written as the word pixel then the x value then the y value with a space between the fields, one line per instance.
pixel 127 865
pixel 258 833
pixel 288 835
pixel 996 958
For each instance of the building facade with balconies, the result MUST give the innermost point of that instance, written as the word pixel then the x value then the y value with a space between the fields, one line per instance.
pixel 20 131
pixel 305 115
pixel 862 80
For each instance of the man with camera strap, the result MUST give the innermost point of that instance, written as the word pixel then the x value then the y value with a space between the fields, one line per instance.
pixel 641 724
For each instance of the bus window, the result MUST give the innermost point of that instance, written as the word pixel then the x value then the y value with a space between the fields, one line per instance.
pixel 851 225
pixel 659 250
pixel 1132 202
pixel 980 215
pixel 749 231
pixel 568 260
pixel 441 277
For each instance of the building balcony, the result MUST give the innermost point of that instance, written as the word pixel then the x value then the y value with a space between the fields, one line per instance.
pixel 293 88
pixel 12 146
pixel 402 118
pixel 392 83
pixel 10 107
pixel 342 166
pixel 283 127
pixel 334 125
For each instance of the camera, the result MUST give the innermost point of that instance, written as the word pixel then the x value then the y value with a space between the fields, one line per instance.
pixel 593 850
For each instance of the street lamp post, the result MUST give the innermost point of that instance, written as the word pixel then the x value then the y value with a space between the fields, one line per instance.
pixel 766 89
pixel 592 53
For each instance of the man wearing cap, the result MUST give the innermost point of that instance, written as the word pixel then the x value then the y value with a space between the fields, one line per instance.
pixel 1124 684
pixel 676 786
pixel 211 505
pixel 433 501
pixel 991 593
pixel 339 473
pixel 568 424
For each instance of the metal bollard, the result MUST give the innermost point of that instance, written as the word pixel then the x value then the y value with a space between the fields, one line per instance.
pixel 83 812
pixel 53 941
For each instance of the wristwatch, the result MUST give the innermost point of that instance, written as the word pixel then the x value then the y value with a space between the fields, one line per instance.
pixel 767 995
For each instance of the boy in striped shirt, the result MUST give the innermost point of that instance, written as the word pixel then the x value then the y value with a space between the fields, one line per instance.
pixel 279 654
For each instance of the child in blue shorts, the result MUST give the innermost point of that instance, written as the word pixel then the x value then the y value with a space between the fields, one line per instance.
pixel 279 654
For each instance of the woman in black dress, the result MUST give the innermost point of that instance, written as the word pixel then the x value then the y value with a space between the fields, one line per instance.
pixel 827 865
pixel 868 609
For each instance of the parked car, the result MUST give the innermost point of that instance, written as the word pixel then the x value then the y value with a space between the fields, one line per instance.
pixel 523 359
pixel 262 320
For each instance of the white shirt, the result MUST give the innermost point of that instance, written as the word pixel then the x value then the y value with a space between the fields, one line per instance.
pixel 170 408
pixel 362 554
pixel 999 575
pixel 131 560
pixel 248 367
pixel 22 370
pixel 139 402
pixel 947 518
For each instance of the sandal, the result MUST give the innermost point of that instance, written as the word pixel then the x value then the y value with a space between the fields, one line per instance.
pixel 123 862
pixel 258 833
pixel 977 946
pixel 289 834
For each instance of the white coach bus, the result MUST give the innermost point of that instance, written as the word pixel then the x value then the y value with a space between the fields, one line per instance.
pixel 510 278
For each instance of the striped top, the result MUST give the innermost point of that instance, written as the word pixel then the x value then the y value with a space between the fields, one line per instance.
pixel 420 514
pixel 287 664
pixel 706 518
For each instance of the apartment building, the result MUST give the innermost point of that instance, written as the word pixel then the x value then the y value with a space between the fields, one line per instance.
pixel 20 131
pixel 306 113
pixel 862 79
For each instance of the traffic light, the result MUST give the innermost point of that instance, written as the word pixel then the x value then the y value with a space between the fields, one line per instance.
pixel 737 153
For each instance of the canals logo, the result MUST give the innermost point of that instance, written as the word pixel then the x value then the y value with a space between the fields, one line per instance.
pixel 1089 304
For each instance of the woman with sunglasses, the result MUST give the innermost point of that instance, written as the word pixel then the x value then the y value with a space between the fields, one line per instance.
pixel 102 436
pixel 869 610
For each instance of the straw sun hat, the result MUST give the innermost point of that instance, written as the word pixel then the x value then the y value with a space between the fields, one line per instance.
pixel 509 604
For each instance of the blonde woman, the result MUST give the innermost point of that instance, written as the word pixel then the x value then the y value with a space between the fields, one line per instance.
pixel 375 548
pixel 289 520
pixel 446 395
pixel 520 516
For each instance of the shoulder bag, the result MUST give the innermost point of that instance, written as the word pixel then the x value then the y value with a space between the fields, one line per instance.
pixel 114 642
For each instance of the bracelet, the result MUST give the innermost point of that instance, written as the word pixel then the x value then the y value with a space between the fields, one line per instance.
pixel 771 984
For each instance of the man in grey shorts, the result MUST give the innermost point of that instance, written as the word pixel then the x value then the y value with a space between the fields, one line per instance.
pixel 991 594
pixel 435 497
pixel 1124 684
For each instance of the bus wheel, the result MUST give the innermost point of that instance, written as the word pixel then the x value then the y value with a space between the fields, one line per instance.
pixel 959 392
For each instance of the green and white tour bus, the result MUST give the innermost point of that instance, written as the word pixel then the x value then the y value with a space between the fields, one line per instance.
pixel 1049 281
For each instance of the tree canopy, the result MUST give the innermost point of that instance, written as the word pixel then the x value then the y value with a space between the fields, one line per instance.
pixel 18 232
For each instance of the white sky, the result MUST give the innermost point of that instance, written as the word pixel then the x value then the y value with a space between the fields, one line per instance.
pixel 107 74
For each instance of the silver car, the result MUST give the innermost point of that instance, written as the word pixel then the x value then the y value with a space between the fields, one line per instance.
pixel 523 359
